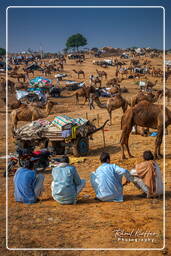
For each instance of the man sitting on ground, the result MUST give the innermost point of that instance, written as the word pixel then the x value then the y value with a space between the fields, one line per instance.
pixel 147 176
pixel 27 185
pixel 66 184
pixel 107 180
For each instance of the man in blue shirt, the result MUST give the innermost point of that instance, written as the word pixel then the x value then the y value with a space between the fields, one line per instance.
pixel 107 180
pixel 66 184
pixel 27 185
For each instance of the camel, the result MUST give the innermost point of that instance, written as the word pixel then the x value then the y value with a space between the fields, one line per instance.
pixel 27 71
pixel 18 76
pixel 151 84
pixel 84 92
pixel 113 103
pixel 30 113
pixel 16 68
pixel 101 74
pixel 46 72
pixel 157 72
pixel 144 114
pixel 96 80
pixel 150 97
pixel 167 94
pixel 114 81
pixel 10 84
pixel 124 72
pixel 79 61
pixel 80 72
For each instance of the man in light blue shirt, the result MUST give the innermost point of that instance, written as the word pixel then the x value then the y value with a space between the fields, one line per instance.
pixel 107 180
pixel 66 184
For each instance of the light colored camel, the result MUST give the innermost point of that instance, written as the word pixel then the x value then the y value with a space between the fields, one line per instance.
pixel 30 113
pixel 113 103
pixel 144 114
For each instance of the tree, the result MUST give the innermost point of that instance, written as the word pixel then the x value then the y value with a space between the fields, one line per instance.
pixel 76 40
pixel 2 51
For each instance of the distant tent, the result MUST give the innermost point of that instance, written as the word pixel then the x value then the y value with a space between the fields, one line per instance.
pixel 3 66
pixel 40 82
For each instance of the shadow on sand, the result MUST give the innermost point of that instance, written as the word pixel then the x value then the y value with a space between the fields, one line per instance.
pixel 110 149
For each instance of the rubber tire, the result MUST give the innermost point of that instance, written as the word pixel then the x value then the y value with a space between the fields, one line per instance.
pixel 77 150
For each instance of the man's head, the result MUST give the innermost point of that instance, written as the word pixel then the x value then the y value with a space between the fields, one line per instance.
pixel 64 159
pixel 148 155
pixel 105 157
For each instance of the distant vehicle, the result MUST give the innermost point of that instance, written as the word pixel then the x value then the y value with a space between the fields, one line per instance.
pixel 76 56
pixel 97 54
pixel 124 56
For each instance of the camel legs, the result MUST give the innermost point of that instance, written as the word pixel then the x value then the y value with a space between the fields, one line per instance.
pixel 127 146
pixel 77 99
pixel 158 143
pixel 85 101
pixel 110 116
pixel 124 141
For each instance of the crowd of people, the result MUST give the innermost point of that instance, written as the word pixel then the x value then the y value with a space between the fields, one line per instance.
pixel 106 181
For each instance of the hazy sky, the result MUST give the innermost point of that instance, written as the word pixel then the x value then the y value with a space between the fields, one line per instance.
pixel 49 28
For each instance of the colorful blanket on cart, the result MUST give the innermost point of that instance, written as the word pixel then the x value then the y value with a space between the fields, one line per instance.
pixel 66 122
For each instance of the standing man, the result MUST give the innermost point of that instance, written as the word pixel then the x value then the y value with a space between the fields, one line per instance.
pixel 107 180
pixel 27 185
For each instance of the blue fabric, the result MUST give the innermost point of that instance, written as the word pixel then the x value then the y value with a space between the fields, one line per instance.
pixel 65 182
pixel 107 182
pixel 24 180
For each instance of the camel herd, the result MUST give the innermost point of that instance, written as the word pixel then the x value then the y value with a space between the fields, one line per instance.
pixel 140 110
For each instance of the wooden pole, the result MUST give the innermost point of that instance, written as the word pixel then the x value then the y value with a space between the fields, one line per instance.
pixel 98 119
pixel 86 115
pixel 104 142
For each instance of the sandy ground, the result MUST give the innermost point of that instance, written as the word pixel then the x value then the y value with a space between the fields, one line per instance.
pixel 89 223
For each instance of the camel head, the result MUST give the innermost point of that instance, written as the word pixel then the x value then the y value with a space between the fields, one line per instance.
pixel 49 106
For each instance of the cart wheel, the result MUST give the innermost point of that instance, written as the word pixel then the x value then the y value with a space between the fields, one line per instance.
pixel 81 146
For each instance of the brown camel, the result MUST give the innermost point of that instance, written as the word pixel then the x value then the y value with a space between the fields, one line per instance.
pixel 28 71
pixel 114 81
pixel 96 81
pixel 156 72
pixel 18 76
pixel 113 103
pixel 144 114
pixel 150 97
pixel 101 74
pixel 167 94
pixel 30 113
pixel 10 84
pixel 80 72
pixel 150 84
pixel 84 92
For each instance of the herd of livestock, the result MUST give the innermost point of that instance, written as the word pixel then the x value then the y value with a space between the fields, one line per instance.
pixel 141 110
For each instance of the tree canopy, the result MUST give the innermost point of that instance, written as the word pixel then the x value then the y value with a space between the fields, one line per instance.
pixel 76 40
pixel 2 51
